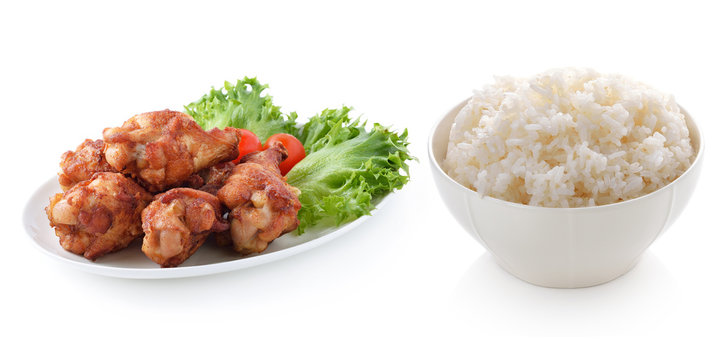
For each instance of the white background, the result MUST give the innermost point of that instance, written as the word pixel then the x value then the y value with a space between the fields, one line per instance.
pixel 409 283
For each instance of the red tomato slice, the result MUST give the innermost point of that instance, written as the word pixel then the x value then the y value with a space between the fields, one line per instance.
pixel 248 143
pixel 296 152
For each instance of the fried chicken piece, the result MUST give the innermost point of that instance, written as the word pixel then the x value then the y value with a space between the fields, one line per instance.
pixel 177 223
pixel 263 204
pixel 214 177
pixel 194 182
pixel 80 165
pixel 162 149
pixel 99 215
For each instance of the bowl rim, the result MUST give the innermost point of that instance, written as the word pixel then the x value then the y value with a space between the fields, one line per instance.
pixel 430 151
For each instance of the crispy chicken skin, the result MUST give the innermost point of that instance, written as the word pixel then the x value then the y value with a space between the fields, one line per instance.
pixel 263 205
pixel 214 178
pixel 80 165
pixel 162 149
pixel 99 215
pixel 177 223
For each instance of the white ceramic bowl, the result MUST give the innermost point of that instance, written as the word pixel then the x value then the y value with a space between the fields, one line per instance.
pixel 563 247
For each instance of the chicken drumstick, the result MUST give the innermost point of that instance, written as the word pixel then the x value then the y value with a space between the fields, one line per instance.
pixel 263 205
pixel 162 149
pixel 177 223
pixel 99 215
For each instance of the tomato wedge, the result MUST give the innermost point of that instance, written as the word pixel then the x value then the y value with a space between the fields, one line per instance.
pixel 296 152
pixel 248 143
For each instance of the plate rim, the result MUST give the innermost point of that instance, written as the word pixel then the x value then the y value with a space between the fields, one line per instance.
pixel 179 272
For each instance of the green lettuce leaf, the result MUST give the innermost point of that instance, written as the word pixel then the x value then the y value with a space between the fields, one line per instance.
pixel 346 168
pixel 242 105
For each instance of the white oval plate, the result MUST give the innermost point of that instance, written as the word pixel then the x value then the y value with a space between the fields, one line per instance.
pixel 132 263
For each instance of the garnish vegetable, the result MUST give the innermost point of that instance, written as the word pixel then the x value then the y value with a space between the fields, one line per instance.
pixel 296 153
pixel 242 105
pixel 249 142
pixel 346 165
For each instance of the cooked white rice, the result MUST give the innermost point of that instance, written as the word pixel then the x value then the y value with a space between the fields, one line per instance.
pixel 568 138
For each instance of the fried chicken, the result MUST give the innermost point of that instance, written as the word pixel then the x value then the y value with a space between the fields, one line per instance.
pixel 214 177
pixel 263 205
pixel 80 165
pixel 99 215
pixel 162 149
pixel 177 223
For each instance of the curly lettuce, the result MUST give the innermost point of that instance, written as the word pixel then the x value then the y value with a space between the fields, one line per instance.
pixel 242 105
pixel 346 168
pixel 348 165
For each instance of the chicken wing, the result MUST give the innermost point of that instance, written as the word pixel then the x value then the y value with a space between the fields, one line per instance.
pixel 80 165
pixel 214 177
pixel 263 205
pixel 99 215
pixel 162 149
pixel 177 223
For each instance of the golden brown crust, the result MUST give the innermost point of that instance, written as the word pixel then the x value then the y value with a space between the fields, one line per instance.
pixel 177 223
pixel 103 210
pixel 271 157
pixel 99 215
pixel 264 206
pixel 80 165
pixel 215 177
pixel 162 149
